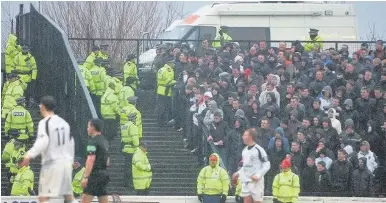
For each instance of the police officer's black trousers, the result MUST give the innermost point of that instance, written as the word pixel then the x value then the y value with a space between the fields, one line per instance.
pixel 111 128
pixel 96 100
pixel 164 104
pixel 143 192
pixel 30 91
pixel 128 170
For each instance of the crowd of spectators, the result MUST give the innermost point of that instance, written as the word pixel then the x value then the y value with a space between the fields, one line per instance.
pixel 323 109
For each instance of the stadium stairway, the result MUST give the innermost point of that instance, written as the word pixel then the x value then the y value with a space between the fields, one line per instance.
pixel 35 164
pixel 175 169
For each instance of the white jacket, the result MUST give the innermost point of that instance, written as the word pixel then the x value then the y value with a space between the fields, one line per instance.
pixel 371 159
pixel 335 122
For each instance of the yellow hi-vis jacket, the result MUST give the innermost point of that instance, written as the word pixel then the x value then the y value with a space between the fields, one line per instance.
pixel 109 104
pixel 286 187
pixel 99 79
pixel 87 77
pixel 165 80
pixel 89 63
pixel 130 70
pixel 129 137
pixel 217 44
pixel 20 118
pixel 11 50
pixel 14 90
pixel 125 111
pixel 311 43
pixel 213 180
pixel 124 95
pixel 23 182
pixel 25 67
pixel 76 182
pixel 142 174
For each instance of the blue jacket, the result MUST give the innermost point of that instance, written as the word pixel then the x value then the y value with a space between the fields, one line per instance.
pixel 271 143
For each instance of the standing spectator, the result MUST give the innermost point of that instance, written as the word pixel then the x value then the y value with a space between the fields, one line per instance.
pixel 318 85
pixel 276 154
pixel 362 180
pixel 349 137
pixel 371 158
pixel 352 156
pixel 218 130
pixel 379 52
pixel 365 106
pixel 265 133
pixel 341 172
pixel 323 179
pixel 279 134
pixel 297 157
pixel 307 178
pixel 209 116
pixel 234 145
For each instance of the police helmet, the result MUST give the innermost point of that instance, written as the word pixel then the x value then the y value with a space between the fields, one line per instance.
pixel 98 60
pixel 25 48
pixel 132 116
pixel 132 99
pixel 20 100
pixel 130 56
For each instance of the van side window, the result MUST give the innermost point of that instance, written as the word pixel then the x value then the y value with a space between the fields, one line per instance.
pixel 248 33
pixel 207 32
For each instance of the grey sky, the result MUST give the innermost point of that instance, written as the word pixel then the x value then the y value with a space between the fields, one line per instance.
pixel 367 12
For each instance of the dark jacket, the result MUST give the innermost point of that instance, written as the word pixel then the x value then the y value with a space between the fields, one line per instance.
pixel 234 144
pixel 362 181
pixel 219 131
pixel 352 139
pixel 341 172
pixel 275 157
pixel 264 136
pixel 323 183
pixel 308 180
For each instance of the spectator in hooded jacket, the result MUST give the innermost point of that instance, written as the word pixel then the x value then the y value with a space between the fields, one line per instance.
pixel 279 133
pixel 276 154
pixel 349 137
pixel 331 135
pixel 217 132
pixel 371 158
pixel 235 145
pixel 209 116
pixel 362 180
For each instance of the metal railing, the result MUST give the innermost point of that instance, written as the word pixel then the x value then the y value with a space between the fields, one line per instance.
pixel 58 73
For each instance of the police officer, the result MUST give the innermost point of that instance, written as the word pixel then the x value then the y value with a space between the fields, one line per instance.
pixel 162 55
pixel 222 38
pixel 110 110
pixel 130 108
pixel 25 66
pixel 20 119
pixel 103 52
pixel 213 182
pixel 126 92
pixel 314 39
pixel 165 83
pixel 11 165
pixel 89 63
pixel 86 75
pixel 130 70
pixel 99 77
pixel 142 170
pixel 130 142
pixel 77 172
pixel 13 91
pixel 11 50
pixel 23 183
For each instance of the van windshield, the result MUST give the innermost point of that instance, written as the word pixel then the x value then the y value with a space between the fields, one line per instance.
pixel 176 33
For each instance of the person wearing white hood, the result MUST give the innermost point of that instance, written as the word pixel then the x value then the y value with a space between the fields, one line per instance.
pixel 335 123
pixel 263 96
pixel 372 159
pixel 209 116
pixel 239 60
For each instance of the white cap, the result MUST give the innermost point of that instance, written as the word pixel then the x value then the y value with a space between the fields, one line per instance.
pixel 208 94
pixel 238 58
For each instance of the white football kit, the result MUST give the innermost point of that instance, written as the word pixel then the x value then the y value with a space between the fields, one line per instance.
pixel 255 163
pixel 57 148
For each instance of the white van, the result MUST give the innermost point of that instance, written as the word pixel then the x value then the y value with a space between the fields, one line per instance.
pixel 263 21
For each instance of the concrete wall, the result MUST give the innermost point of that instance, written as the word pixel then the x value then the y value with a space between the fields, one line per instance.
pixel 190 199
